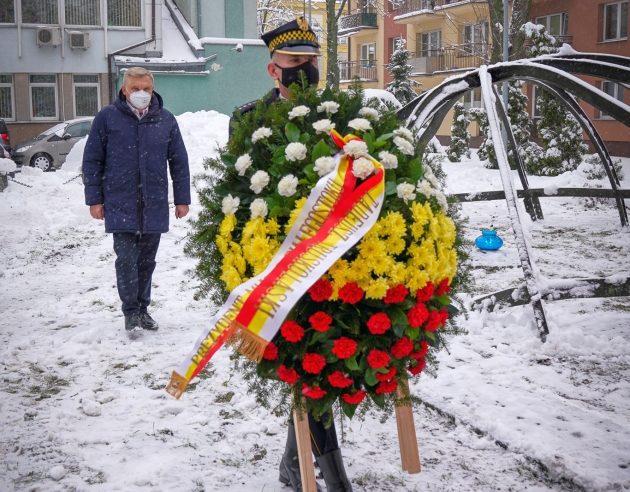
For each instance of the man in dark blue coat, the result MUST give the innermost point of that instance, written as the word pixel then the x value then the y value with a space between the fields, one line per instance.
pixel 125 176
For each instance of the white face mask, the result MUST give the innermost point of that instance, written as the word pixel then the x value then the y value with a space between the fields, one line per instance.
pixel 139 99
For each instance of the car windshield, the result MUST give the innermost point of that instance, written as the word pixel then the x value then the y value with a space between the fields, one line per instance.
pixel 57 129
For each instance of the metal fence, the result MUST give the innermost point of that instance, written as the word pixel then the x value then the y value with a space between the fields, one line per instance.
pixel 364 70
pixel 457 57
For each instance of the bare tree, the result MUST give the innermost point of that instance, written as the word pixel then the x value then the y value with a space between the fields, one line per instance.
pixel 520 15
pixel 272 14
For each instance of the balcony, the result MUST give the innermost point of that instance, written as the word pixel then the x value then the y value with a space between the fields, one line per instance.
pixel 408 6
pixel 364 70
pixel 357 20
pixel 450 58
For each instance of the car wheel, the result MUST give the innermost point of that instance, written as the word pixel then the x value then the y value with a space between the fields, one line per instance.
pixel 42 161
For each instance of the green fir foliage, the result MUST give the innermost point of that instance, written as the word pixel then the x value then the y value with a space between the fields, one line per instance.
pixel 460 137
pixel 402 86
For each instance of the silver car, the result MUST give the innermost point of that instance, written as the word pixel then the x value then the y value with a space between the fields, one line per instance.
pixel 48 150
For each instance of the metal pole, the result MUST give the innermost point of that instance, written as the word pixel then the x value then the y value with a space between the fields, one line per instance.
pixel 506 50
pixel 310 11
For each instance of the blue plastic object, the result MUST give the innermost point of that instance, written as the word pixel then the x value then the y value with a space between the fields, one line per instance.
pixel 488 241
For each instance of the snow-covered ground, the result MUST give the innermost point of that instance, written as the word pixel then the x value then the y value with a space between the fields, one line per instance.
pixel 83 408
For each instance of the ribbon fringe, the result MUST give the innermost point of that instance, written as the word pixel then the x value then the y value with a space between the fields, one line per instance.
pixel 247 343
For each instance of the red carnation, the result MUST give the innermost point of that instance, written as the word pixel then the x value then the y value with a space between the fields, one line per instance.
pixel 434 321
pixel 396 294
pixel 313 392
pixel 271 352
pixel 320 321
pixel 422 351
pixel 344 347
pixel 291 331
pixel 338 380
pixel 386 376
pixel 426 293
pixel 313 363
pixel 387 387
pixel 379 323
pixel 443 288
pixel 287 374
pixel 351 293
pixel 321 290
pixel 377 359
pixel 417 369
pixel 355 398
pixel 417 315
pixel 444 314
pixel 402 348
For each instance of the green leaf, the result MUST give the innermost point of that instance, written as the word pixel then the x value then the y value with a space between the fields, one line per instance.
pixel 390 188
pixel 348 409
pixel 415 170
pixel 384 137
pixel 378 399
pixel 430 336
pixel 412 333
pixel 292 132
pixel 351 364
pixel 444 300
pixel 320 150
pixel 370 377
pixel 398 316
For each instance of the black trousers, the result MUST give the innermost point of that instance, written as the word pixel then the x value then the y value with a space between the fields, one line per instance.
pixel 135 263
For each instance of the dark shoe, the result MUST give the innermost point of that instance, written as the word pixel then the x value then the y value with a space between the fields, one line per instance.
pixel 290 465
pixel 331 465
pixel 147 322
pixel 132 321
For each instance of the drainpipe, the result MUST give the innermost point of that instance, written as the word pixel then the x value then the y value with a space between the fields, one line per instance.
pixel 110 56
pixel 198 14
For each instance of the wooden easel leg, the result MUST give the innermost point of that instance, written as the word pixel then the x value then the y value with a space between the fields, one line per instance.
pixel 409 454
pixel 305 453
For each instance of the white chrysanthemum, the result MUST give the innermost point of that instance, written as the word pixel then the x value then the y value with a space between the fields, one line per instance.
pixel 262 132
pixel 389 161
pixel 404 146
pixel 427 189
pixel 295 151
pixel 324 165
pixel 299 111
pixel 259 208
pixel 230 204
pixel 430 177
pixel 242 164
pixel 362 167
pixel 370 113
pixel 360 124
pixel 406 191
pixel 404 132
pixel 288 185
pixel 259 180
pixel 323 126
pixel 356 148
pixel 330 107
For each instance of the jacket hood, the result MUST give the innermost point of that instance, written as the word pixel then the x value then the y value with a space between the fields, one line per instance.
pixel 155 105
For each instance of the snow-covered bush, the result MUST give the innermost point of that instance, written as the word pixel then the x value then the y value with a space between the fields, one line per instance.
pixel 460 137
pixel 486 149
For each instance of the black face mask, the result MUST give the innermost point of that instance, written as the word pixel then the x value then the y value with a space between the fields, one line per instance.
pixel 292 75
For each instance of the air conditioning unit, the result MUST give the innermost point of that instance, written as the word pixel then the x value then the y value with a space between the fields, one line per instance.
pixel 48 36
pixel 79 40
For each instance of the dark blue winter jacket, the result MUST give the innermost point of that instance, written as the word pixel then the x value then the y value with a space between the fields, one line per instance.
pixel 124 166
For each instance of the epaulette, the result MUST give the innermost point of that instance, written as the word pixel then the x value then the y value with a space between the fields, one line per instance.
pixel 247 107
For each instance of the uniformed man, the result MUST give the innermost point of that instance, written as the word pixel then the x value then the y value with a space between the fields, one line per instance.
pixel 294 49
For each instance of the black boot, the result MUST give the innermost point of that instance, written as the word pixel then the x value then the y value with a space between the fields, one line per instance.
pixel 331 466
pixel 290 465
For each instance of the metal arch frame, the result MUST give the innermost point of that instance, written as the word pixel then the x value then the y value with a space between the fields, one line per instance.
pixel 552 73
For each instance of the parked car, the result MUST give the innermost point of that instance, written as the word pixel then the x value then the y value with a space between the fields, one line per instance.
pixel 5 141
pixel 48 150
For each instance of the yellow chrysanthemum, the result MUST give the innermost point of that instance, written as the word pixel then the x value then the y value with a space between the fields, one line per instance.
pixel 421 214
pixel 394 224
pixel 222 244
pixel 230 278
pixel 395 245
pixel 397 273
pixel 377 288
pixel 416 279
pixel 371 247
pixel 227 226
pixel 381 264
pixel 271 227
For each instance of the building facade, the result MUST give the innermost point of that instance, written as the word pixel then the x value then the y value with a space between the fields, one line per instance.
pixel 63 59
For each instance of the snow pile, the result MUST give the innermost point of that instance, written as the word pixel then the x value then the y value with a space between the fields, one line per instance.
pixel 7 166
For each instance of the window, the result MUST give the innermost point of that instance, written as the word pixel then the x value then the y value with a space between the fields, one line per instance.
pixel 472 99
pixel 6 97
pixel 614 90
pixel 40 12
pixel 86 95
pixel 83 12
pixel 43 97
pixel 7 11
pixel 429 43
pixel 615 21
pixel 78 130
pixel 368 54
pixel 555 24
pixel 475 38
pixel 124 13
pixel 393 45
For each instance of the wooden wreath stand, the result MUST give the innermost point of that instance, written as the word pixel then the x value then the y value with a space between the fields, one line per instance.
pixel 409 455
